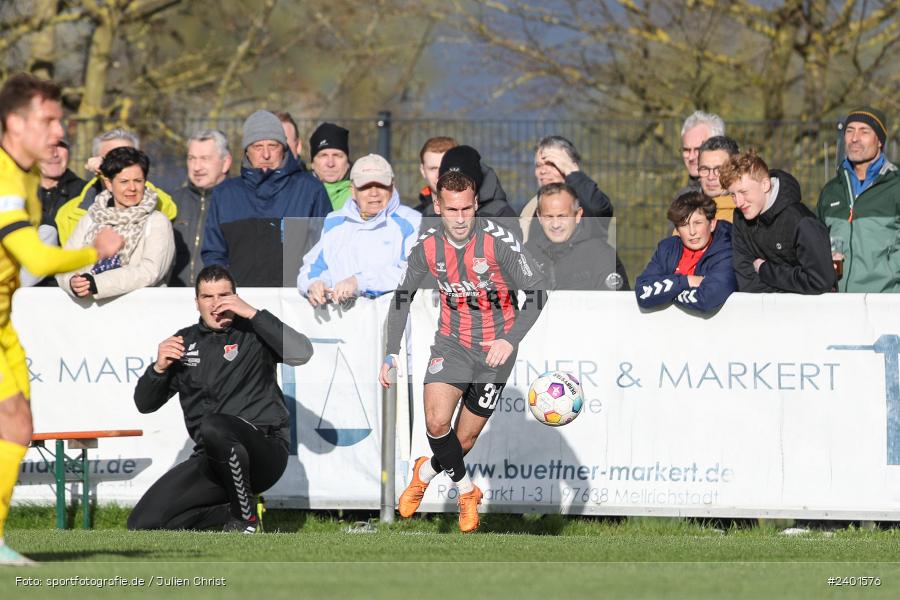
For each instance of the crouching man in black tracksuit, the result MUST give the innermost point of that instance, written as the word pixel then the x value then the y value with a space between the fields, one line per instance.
pixel 223 369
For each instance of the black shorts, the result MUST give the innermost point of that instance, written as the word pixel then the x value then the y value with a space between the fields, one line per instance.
pixel 465 369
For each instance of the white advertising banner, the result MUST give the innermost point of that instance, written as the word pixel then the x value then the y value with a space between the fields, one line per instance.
pixel 85 361
pixel 779 405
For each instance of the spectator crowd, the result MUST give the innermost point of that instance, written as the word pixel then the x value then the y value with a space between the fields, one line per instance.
pixel 338 229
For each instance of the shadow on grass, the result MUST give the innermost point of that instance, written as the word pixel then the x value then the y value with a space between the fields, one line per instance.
pixel 530 524
pixel 77 555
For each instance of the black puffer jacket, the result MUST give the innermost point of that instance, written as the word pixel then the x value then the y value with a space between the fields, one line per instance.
pixel 229 372
pixel 791 240
pixel 584 262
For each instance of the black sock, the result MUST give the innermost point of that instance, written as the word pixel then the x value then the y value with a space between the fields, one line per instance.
pixel 449 454
pixel 435 464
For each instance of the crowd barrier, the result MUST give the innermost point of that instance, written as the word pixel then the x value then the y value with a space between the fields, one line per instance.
pixel 777 406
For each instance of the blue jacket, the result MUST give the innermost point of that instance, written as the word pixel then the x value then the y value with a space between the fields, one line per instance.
pixel 258 224
pixel 658 284
pixel 374 251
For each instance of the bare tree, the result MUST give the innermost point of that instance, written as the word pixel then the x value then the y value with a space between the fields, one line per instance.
pixel 154 61
pixel 798 59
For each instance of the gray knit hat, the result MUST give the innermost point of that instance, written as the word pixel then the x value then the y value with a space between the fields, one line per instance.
pixel 262 125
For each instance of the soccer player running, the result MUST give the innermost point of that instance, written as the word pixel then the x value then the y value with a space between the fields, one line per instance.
pixel 30 114
pixel 478 266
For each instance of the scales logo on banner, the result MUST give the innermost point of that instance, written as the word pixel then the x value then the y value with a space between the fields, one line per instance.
pixel 342 419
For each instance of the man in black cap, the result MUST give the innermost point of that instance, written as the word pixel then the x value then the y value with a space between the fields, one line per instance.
pixel 329 149
pixel 478 265
pixel 860 208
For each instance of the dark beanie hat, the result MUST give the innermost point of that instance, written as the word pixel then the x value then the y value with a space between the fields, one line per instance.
pixel 872 117
pixel 464 159
pixel 329 135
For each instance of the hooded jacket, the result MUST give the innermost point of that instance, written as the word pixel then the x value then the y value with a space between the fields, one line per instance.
pixel 583 262
pixel 261 219
pixel 871 240
pixel 373 250
pixel 659 284
pixel 791 240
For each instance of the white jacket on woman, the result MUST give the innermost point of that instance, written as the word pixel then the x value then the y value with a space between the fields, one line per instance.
pixel 149 265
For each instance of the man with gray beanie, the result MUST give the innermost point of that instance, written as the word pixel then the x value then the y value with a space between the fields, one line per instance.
pixel 860 208
pixel 261 223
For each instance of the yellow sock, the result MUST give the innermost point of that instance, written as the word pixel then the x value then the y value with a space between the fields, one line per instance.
pixel 11 456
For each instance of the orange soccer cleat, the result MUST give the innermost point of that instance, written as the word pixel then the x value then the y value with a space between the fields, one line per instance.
pixel 411 497
pixel 468 510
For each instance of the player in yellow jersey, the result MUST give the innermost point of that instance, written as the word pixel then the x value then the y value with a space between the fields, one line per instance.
pixel 30 117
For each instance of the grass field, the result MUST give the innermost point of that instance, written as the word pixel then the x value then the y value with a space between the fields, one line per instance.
pixel 314 556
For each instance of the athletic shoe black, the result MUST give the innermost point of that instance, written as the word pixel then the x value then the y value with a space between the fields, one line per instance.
pixel 242 526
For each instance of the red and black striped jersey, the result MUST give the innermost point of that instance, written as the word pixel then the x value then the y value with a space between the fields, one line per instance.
pixel 478 284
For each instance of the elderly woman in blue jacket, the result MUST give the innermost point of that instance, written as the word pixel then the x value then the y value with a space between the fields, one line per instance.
pixel 364 244
pixel 693 269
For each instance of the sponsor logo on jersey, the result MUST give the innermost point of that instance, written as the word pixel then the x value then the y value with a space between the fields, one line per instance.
pixel 479 265
pixel 231 352
pixel 464 288
pixel 440 267
pixel 436 365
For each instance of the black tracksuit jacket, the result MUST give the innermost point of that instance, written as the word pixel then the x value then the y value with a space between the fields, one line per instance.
pixel 231 372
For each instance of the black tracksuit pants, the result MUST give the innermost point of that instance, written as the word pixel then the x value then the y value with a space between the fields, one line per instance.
pixel 235 461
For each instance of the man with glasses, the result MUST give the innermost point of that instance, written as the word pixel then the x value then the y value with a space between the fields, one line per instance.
pixel 714 153
pixel 697 128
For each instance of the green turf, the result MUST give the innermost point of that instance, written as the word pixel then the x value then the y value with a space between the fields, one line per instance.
pixel 313 556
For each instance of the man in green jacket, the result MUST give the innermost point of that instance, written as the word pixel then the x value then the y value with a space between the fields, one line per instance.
pixel 861 207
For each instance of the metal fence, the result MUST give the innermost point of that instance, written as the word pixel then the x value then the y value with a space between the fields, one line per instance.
pixel 637 163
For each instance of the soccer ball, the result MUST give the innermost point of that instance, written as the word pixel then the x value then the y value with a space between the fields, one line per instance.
pixel 555 398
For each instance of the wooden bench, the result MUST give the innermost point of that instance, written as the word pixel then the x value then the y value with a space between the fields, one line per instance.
pixel 78 440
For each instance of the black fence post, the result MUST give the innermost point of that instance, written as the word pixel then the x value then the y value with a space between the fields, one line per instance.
pixel 384 134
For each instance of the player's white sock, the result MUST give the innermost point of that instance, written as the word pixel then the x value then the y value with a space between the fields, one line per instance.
pixel 465 485
pixel 427 472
